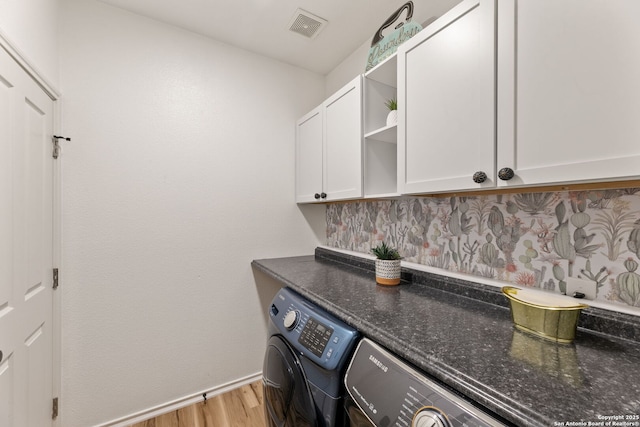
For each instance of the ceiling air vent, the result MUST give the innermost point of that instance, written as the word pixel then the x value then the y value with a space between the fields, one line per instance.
pixel 306 24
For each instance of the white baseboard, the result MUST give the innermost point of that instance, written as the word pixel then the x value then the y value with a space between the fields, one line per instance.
pixel 181 402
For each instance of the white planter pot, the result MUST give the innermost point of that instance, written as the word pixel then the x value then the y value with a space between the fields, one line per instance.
pixel 387 271
pixel 392 117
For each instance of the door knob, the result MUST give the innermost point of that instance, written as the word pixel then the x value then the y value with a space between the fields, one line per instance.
pixel 479 177
pixel 506 174
pixel 323 195
pixel 317 196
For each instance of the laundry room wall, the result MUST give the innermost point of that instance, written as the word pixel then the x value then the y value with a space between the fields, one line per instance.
pixel 180 171
pixel 32 28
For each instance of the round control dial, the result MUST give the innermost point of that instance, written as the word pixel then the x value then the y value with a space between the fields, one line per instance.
pixel 291 319
pixel 430 417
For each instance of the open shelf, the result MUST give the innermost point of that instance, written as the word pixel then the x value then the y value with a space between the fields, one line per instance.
pixel 385 72
pixel 380 139
pixel 385 134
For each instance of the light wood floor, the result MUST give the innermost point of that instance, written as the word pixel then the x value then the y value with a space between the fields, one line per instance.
pixel 241 407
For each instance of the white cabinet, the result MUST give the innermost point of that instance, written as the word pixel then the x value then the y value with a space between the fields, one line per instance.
pixel 556 102
pixel 446 102
pixel 329 148
pixel 568 90
pixel 309 136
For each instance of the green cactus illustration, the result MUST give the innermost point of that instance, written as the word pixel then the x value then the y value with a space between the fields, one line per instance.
pixel 439 258
pixel 489 255
pixel 480 209
pixel 533 203
pixel 529 255
pixel 562 244
pixel 558 273
pixel 459 225
pixel 634 239
pixel 539 274
pixel 600 278
pixel 421 218
pixel 459 222
pixel 470 249
pixel 527 260
pixel 512 208
pixel 613 226
pixel 629 284
pixel 436 233
pixel 507 235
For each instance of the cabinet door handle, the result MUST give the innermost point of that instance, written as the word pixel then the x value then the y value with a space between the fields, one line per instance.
pixel 323 195
pixel 506 174
pixel 317 196
pixel 479 177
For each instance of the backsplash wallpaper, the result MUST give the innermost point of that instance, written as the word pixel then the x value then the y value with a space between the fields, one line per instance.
pixel 529 239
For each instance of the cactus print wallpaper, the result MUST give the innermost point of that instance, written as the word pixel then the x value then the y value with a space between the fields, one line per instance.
pixel 529 239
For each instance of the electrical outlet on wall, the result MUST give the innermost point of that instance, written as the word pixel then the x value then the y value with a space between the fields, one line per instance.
pixel 586 287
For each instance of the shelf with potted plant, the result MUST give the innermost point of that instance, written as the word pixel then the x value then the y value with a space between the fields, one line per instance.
pixel 387 133
pixel 380 89
pixel 380 135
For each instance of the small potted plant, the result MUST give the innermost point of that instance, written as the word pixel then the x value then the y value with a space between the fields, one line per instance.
pixel 392 117
pixel 387 265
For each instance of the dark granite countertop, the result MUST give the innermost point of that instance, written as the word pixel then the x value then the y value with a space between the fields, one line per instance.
pixel 462 334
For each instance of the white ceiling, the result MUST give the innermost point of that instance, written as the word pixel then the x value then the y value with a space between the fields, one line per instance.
pixel 262 26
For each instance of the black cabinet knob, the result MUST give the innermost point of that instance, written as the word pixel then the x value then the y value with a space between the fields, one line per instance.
pixel 323 195
pixel 506 174
pixel 317 196
pixel 479 177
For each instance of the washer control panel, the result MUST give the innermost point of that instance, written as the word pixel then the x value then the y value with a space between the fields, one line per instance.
pixel 315 336
pixel 389 392
pixel 313 332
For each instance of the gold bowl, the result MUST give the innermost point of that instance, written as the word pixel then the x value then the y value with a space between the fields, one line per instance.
pixel 549 316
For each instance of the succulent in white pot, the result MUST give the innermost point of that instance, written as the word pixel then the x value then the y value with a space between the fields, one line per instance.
pixel 387 264
pixel 392 117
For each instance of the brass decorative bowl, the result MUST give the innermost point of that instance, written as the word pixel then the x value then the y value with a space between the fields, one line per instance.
pixel 546 315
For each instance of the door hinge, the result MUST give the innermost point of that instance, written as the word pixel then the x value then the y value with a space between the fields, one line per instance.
pixel 56 145
pixel 54 409
pixel 55 278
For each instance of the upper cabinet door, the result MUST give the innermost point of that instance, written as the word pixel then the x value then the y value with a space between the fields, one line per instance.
pixel 568 90
pixel 309 156
pixel 343 142
pixel 446 102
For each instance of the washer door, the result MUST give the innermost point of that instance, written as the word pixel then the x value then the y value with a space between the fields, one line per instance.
pixel 287 398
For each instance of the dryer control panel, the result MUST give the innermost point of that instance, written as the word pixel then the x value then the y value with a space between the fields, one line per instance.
pixel 312 331
pixel 389 392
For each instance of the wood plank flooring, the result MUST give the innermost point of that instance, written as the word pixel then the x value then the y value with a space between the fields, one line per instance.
pixel 241 407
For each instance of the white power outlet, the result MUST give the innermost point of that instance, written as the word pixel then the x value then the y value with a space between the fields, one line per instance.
pixel 586 287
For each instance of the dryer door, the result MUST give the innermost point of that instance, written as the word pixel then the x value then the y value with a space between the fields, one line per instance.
pixel 357 418
pixel 287 398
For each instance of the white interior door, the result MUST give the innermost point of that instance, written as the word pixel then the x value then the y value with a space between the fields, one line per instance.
pixel 26 249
